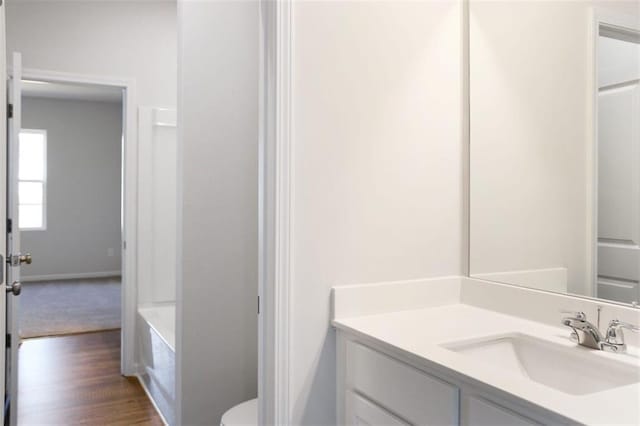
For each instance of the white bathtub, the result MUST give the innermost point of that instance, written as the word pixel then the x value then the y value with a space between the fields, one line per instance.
pixel 162 318
pixel 156 355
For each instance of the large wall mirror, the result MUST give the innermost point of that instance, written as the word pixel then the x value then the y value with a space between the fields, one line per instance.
pixel 555 146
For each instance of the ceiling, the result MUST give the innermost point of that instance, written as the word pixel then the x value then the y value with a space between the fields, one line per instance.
pixel 83 92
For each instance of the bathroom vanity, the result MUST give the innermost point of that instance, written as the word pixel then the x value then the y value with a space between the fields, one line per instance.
pixel 443 351
pixel 532 334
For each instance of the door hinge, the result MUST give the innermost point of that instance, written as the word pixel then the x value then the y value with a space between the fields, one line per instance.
pixel 8 340
pixel 9 110
pixel 9 225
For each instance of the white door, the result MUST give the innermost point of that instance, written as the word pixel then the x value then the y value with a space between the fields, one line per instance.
pixel 14 258
pixel 619 169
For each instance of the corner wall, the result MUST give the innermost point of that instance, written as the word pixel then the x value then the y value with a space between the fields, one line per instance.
pixel 378 188
pixel 218 273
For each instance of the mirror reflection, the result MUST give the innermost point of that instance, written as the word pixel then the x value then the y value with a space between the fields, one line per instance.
pixel 555 146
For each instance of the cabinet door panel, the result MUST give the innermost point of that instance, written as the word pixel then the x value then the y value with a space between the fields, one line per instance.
pixel 362 412
pixel 479 412
pixel 419 398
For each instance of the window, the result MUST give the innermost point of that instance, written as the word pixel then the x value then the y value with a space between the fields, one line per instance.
pixel 32 179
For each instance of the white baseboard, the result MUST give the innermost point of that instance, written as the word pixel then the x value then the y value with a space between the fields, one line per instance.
pixel 57 277
pixel 150 397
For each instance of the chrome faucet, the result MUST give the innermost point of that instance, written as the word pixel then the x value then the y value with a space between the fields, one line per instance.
pixel 587 334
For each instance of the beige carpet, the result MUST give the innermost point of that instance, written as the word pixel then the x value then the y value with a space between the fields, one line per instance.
pixel 68 307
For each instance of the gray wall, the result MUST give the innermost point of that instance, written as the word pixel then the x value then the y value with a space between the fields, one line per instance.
pixel 218 282
pixel 83 187
pixel 131 39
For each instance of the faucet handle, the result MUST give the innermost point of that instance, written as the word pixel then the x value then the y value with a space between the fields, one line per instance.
pixel 615 338
pixel 617 325
pixel 580 316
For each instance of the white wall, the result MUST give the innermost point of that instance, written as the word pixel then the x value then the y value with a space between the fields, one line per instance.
pixel 378 165
pixel 84 143
pixel 126 39
pixel 218 142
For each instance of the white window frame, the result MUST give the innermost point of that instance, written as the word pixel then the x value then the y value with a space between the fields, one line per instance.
pixel 43 181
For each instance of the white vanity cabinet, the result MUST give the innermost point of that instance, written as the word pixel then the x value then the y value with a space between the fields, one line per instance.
pixel 377 388
pixel 395 385
pixel 476 411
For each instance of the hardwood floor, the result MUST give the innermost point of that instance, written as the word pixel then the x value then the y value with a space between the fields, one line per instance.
pixel 73 380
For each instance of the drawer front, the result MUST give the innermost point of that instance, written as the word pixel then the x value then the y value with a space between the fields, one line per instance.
pixel 399 388
pixel 479 412
pixel 361 411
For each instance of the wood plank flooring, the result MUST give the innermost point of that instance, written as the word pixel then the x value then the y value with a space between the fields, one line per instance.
pixel 75 380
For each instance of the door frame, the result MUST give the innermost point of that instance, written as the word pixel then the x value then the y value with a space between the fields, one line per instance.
pixel 3 195
pixel 613 22
pixel 129 205
pixel 275 212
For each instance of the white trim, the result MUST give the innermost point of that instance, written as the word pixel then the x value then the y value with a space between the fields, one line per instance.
pixel 275 213
pixel 179 212
pixel 592 160
pixel 13 238
pixel 129 197
pixel 465 136
pixel 150 397
pixel 58 277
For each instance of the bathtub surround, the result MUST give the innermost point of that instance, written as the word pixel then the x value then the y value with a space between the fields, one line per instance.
pixel 157 206
pixel 156 289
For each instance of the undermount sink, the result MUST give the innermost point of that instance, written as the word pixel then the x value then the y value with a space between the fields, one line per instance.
pixel 571 370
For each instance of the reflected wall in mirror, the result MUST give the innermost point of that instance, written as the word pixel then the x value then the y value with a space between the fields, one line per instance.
pixel 555 146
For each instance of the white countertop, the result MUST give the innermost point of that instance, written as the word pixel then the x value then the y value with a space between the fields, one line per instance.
pixel 420 333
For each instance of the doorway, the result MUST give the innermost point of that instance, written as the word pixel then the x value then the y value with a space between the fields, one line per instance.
pixel 70 168
pixel 74 210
